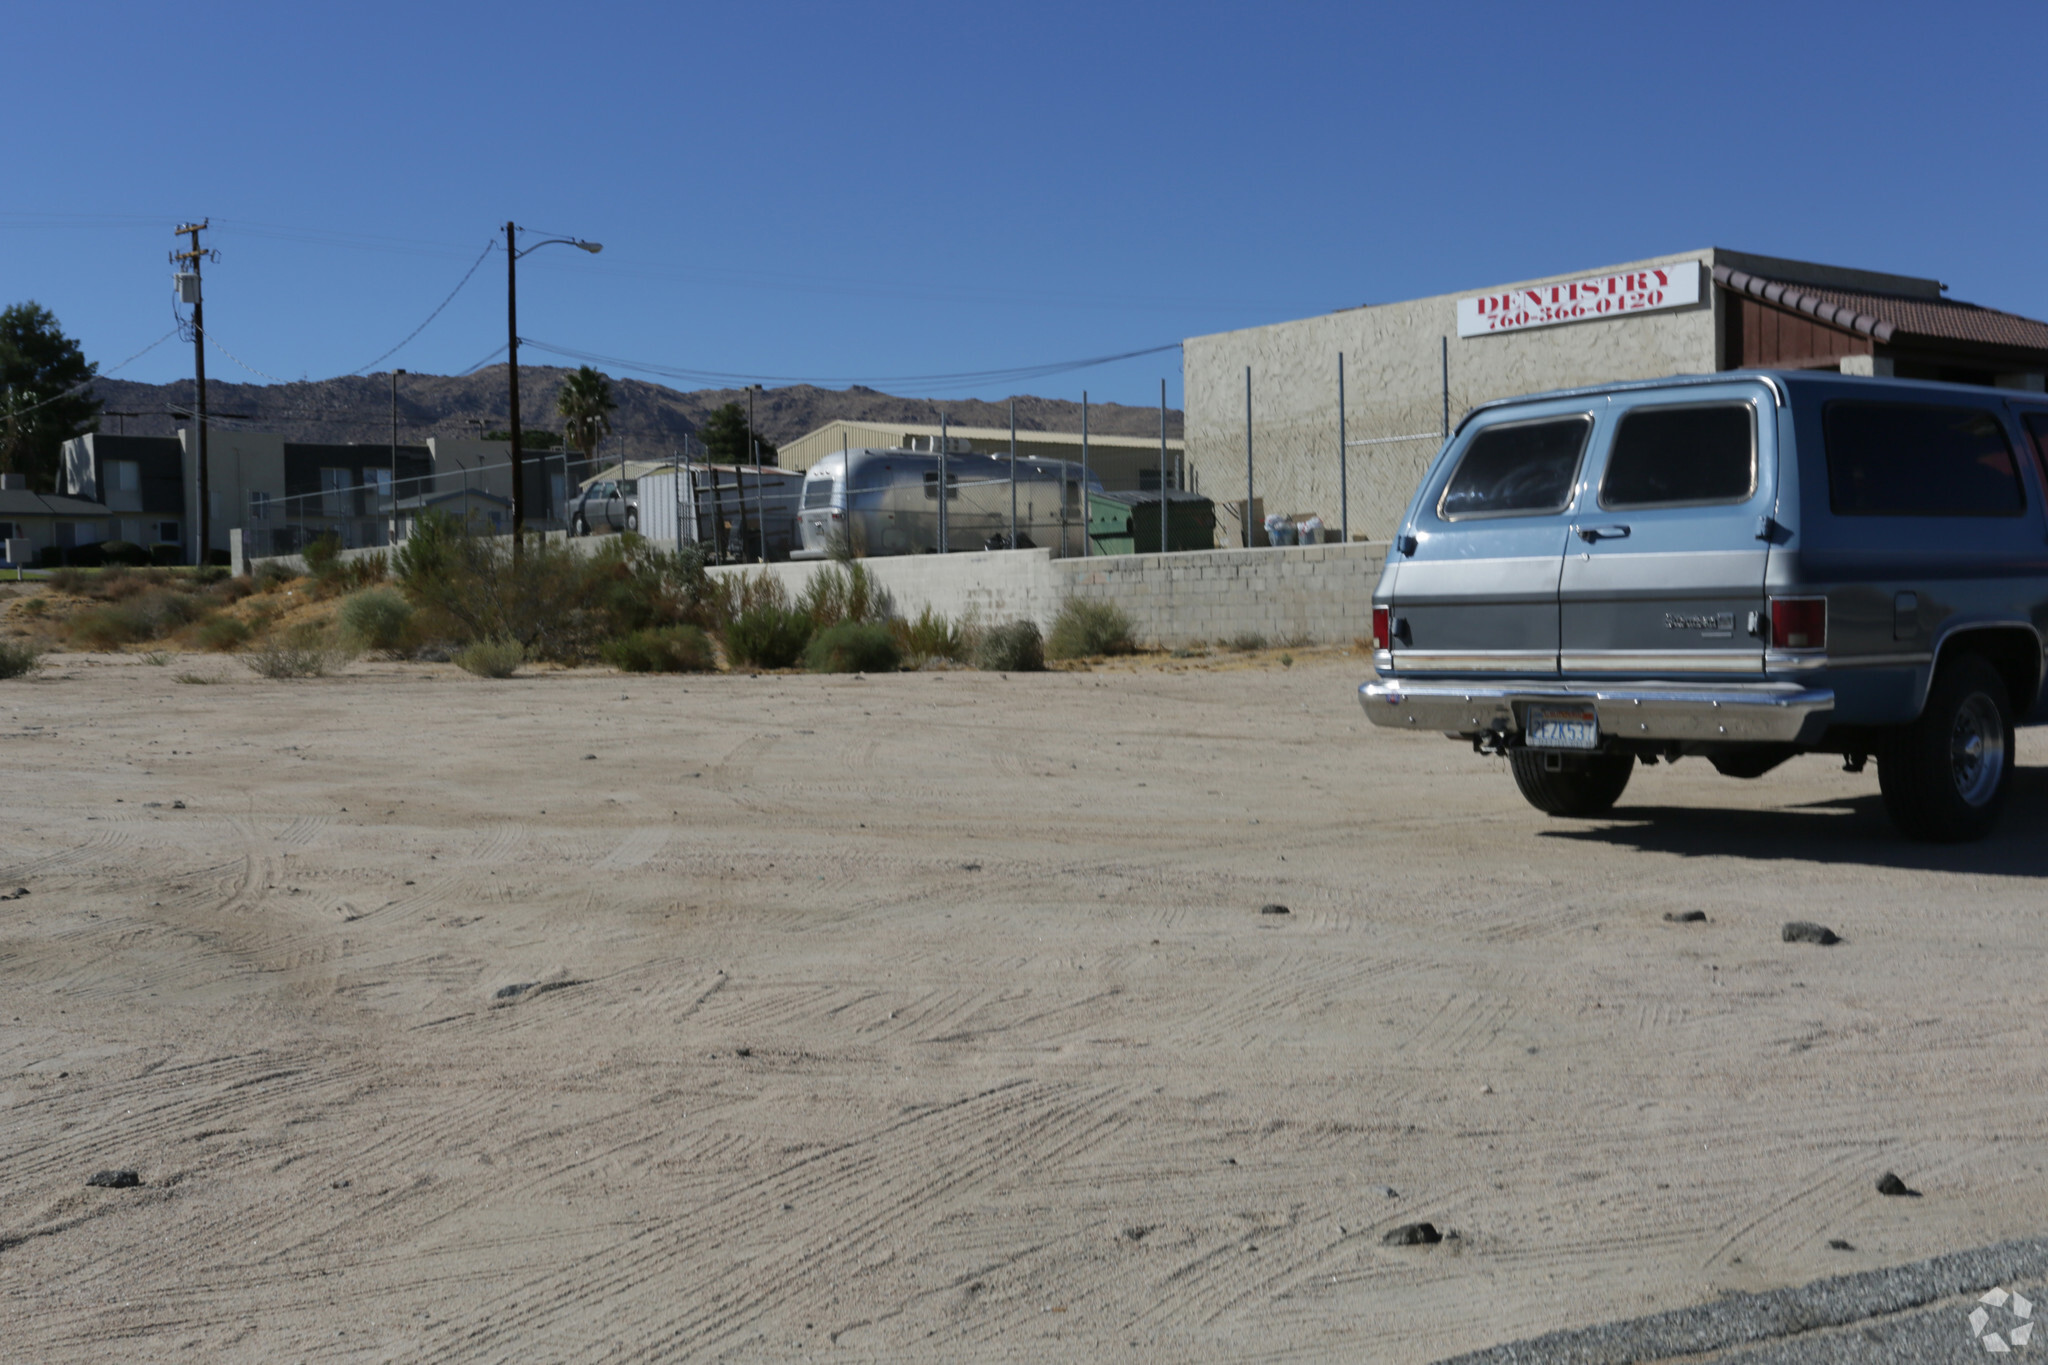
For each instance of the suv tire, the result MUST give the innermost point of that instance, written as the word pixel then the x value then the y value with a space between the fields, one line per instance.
pixel 578 526
pixel 1589 789
pixel 633 519
pixel 1946 776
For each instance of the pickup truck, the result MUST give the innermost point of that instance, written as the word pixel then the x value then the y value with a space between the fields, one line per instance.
pixel 1741 567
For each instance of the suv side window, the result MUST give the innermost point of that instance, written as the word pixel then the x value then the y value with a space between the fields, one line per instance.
pixel 1694 455
pixel 2037 427
pixel 1914 460
pixel 1517 469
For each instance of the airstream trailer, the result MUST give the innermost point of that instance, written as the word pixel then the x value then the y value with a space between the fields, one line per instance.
pixel 886 502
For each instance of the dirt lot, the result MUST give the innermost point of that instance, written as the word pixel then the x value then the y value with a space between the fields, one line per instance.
pixel 933 1017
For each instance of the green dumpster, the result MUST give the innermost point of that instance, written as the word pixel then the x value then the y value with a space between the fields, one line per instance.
pixel 1127 522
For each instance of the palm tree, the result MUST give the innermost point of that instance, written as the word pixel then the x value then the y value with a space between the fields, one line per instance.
pixel 586 406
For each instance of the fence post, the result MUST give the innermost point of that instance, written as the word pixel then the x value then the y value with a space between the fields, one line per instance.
pixel 1087 509
pixel 1247 457
pixel 1343 473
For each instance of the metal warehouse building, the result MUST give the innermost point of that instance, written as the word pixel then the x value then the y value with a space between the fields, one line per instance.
pixel 1410 369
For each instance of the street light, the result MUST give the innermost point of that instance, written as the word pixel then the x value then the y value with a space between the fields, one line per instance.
pixel 512 255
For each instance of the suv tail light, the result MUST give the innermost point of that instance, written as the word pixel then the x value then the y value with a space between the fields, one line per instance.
pixel 1382 628
pixel 1799 622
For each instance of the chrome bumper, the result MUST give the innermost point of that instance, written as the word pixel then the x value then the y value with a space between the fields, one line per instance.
pixel 1776 713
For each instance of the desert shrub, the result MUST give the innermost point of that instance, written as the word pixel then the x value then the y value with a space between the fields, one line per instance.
pixel 499 658
pixel 1013 648
pixel 844 592
pixel 206 575
pixel 665 649
pixel 853 647
pixel 109 627
pixel 271 577
pixel 18 660
pixel 768 637
pixel 552 601
pixel 1084 629
pixel 375 619
pixel 35 606
pixel 322 555
pixel 222 634
pixel 1249 642
pixel 75 582
pixel 730 596
pixel 304 651
pixel 932 636
pixel 123 552
pixel 231 589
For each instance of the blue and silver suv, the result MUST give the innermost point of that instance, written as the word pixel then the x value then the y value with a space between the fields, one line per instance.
pixel 1740 566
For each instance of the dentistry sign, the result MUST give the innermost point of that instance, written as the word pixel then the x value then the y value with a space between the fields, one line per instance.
pixel 1597 296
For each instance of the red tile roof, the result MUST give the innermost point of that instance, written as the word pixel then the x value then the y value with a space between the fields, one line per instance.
pixel 1886 316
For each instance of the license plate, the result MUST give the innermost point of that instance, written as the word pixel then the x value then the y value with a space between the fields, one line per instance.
pixel 1563 727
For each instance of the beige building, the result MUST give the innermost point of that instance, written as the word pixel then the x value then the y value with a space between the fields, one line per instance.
pixel 1121 462
pixel 1412 369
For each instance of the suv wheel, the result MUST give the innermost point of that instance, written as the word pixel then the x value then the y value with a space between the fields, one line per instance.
pixel 633 519
pixel 578 526
pixel 1583 786
pixel 1945 777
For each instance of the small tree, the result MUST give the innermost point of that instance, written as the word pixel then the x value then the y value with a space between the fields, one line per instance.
pixel 44 401
pixel 585 406
pixel 724 434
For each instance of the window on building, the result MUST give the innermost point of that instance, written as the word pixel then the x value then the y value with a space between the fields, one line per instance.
pixel 1517 469
pixel 1678 456
pixel 334 499
pixel 129 529
pixel 1913 460
pixel 167 533
pixel 259 506
pixel 124 486
pixel 10 530
pixel 378 481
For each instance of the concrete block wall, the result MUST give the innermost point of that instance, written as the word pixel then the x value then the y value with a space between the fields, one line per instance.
pixel 1310 594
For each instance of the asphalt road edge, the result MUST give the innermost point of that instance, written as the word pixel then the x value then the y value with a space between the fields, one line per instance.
pixel 1755 1319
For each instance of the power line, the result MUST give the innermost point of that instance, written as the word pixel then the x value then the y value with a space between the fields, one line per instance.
pixel 431 316
pixel 98 374
pixel 959 378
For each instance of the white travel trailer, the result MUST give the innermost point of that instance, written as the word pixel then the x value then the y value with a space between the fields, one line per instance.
pixel 886 502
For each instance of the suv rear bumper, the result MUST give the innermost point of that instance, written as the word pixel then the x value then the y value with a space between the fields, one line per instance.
pixel 1773 713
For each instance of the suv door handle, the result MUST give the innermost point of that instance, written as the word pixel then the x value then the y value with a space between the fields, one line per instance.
pixel 1589 534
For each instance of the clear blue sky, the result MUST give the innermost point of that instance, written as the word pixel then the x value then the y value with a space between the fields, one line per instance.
pixel 845 190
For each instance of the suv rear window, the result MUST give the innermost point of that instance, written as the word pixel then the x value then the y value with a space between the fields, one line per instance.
pixel 1909 460
pixel 1678 456
pixel 1517 468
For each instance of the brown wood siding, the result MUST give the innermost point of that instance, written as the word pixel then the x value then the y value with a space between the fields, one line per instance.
pixel 1765 337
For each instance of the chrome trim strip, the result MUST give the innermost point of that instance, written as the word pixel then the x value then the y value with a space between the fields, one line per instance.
pixel 1779 713
pixel 1641 661
pixel 1479 661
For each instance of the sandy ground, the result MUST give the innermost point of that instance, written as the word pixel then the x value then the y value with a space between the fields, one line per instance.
pixel 932 1017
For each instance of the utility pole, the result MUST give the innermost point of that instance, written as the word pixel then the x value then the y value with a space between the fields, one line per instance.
pixel 193 258
pixel 1013 474
pixel 512 366
pixel 760 501
pixel 942 483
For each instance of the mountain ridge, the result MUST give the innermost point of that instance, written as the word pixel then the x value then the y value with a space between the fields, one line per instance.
pixel 651 418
